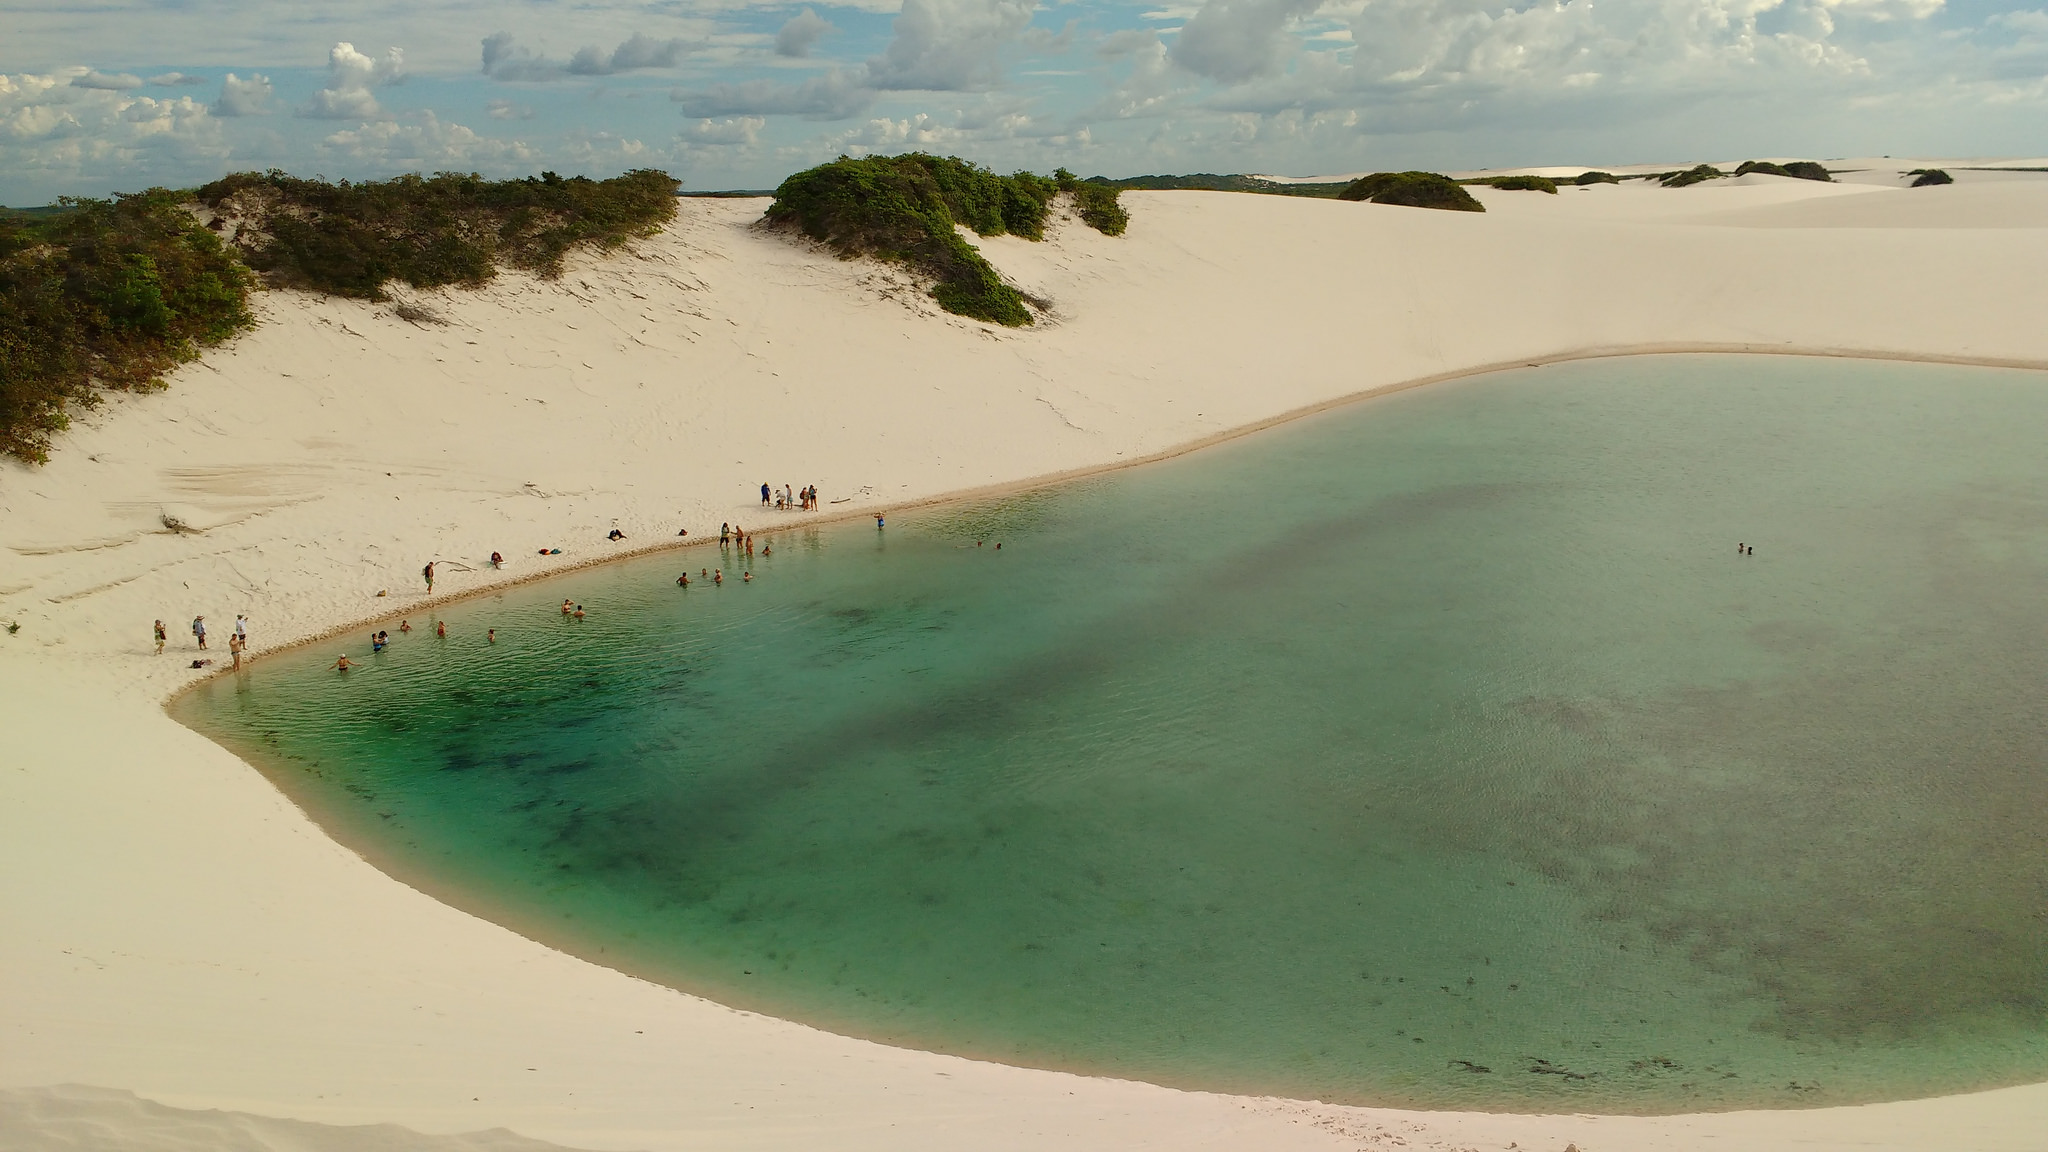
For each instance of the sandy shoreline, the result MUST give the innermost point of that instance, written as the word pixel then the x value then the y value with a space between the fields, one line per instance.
pixel 194 938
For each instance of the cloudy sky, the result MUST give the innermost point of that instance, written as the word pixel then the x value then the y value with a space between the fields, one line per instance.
pixel 106 95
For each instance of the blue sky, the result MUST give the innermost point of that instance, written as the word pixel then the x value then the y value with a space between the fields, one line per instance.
pixel 105 95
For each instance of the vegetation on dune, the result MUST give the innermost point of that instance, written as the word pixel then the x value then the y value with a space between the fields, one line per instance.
pixel 906 209
pixel 1797 170
pixel 350 239
pixel 1928 177
pixel 1098 204
pixel 104 294
pixel 1515 183
pixel 1597 178
pixel 1694 175
pixel 1211 182
pixel 1413 190
pixel 111 294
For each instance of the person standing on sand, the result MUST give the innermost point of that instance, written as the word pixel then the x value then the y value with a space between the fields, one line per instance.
pixel 199 630
pixel 160 637
pixel 428 572
pixel 235 644
pixel 765 501
pixel 242 629
pixel 724 533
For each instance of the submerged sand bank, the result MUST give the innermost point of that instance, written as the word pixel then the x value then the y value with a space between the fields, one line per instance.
pixel 178 929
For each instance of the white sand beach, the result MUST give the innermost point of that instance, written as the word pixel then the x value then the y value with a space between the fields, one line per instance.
pixel 175 928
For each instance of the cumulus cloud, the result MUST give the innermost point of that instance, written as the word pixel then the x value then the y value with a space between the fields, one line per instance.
pixel 107 81
pixel 836 95
pixel 801 34
pixel 938 45
pixel 427 143
pixel 351 80
pixel 239 97
pixel 507 110
pixel 1235 40
pixel 715 133
pixel 505 59
pixel 56 136
pixel 949 45
pixel 176 80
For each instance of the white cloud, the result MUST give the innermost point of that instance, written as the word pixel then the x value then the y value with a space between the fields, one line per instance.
pixel 505 59
pixel 1235 40
pixel 351 77
pixel 738 130
pixel 107 81
pixel 507 110
pixel 801 33
pixel 55 136
pixel 176 80
pixel 239 97
pixel 837 94
pixel 427 143
pixel 937 45
pixel 949 45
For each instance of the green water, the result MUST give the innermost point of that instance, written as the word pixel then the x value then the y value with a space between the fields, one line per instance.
pixel 1437 751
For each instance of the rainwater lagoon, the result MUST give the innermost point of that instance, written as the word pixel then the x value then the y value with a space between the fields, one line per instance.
pixel 1439 751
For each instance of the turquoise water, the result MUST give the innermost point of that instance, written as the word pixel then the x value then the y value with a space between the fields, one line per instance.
pixel 1437 751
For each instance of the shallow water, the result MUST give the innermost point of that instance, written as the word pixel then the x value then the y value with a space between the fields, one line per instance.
pixel 1437 751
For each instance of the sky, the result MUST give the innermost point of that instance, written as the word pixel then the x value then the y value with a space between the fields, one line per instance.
pixel 102 96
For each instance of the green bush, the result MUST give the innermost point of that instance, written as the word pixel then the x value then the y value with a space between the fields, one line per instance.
pixel 1693 175
pixel 1597 178
pixel 1797 170
pixel 1516 183
pixel 905 208
pixel 1413 190
pixel 1928 177
pixel 105 294
pixel 1096 201
pixel 351 239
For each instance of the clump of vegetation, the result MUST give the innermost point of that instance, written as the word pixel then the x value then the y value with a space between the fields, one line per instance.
pixel 1927 177
pixel 1097 202
pixel 104 294
pixel 905 208
pixel 1797 170
pixel 1413 190
pixel 1516 183
pixel 1585 178
pixel 1693 175
pixel 350 239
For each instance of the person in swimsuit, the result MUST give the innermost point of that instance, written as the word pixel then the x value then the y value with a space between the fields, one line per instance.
pixel 497 561
pixel 491 636
pixel 428 572
pixel 441 629
pixel 405 625
pixel 376 642
pixel 343 664
pixel 160 637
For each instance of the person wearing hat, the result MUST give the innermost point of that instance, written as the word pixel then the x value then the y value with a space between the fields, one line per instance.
pixel 199 629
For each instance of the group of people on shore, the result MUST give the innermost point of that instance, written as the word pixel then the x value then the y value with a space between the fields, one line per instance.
pixel 788 501
pixel 238 640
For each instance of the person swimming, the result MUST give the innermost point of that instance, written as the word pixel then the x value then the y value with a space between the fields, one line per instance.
pixel 746 577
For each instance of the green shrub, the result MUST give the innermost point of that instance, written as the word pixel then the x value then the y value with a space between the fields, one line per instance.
pixel 1928 177
pixel 1693 175
pixel 1597 178
pixel 1096 201
pixel 106 294
pixel 1413 190
pixel 351 239
pixel 1516 183
pixel 905 208
pixel 1797 170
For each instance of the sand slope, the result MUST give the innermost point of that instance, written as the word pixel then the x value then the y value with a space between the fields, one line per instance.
pixel 176 928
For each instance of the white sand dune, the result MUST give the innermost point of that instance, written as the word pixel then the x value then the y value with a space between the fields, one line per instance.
pixel 75 1118
pixel 175 927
